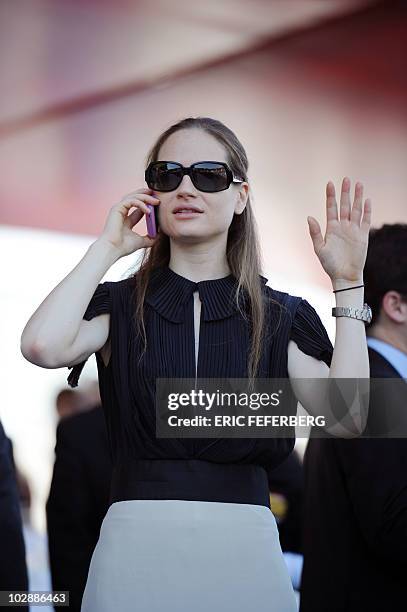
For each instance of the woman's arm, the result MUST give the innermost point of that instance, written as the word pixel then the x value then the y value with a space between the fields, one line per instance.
pixel 342 254
pixel 48 339
pixel 56 335
pixel 350 360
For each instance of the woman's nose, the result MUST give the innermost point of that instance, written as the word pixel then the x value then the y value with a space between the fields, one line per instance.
pixel 186 186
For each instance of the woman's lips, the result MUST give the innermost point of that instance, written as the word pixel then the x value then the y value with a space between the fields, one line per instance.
pixel 188 213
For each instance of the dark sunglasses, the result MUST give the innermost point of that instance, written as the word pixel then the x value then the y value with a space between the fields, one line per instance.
pixel 208 176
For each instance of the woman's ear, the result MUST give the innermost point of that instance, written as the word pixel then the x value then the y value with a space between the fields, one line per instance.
pixel 242 197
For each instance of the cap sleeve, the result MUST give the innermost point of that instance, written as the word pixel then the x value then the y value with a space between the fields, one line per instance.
pixel 100 303
pixel 309 333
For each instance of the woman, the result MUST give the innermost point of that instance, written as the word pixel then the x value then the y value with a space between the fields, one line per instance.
pixel 189 526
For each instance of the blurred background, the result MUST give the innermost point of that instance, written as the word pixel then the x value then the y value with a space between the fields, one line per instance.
pixel 315 91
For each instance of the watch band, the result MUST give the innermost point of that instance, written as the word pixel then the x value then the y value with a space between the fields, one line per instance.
pixel 362 314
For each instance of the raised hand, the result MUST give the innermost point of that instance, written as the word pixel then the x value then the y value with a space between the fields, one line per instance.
pixel 342 252
pixel 118 230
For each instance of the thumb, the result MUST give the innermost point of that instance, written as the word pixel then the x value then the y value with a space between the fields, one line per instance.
pixel 148 241
pixel 315 232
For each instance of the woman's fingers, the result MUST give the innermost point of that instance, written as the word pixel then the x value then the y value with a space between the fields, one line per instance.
pixel 126 206
pixel 367 216
pixel 132 219
pixel 331 205
pixel 315 233
pixel 139 201
pixel 346 211
pixel 345 207
pixel 356 213
pixel 138 195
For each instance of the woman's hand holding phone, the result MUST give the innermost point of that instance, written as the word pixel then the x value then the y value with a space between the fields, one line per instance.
pixel 118 227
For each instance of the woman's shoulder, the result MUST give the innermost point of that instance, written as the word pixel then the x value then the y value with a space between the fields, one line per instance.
pixel 121 285
pixel 298 310
pixel 120 291
pixel 281 301
pixel 305 325
pixel 294 315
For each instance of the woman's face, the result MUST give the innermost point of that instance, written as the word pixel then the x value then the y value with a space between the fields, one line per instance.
pixel 187 147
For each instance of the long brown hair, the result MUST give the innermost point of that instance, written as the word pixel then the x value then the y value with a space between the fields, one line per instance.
pixel 242 250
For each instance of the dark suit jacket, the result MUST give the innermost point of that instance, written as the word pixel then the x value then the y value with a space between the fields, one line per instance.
pixel 13 569
pixel 355 519
pixel 287 480
pixel 78 499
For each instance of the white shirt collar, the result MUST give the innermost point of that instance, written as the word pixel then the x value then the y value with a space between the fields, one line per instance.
pixel 394 356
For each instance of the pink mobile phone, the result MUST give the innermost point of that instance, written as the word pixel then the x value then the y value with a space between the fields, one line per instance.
pixel 152 221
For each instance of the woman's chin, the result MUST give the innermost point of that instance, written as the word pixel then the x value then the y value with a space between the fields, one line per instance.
pixel 191 232
pixel 188 236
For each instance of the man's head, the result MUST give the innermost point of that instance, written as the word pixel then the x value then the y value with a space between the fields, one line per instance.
pixel 385 278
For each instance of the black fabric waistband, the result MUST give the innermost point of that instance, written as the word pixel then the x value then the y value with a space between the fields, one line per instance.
pixel 189 479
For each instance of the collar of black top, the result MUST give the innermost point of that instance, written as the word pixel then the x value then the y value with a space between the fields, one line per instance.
pixel 168 292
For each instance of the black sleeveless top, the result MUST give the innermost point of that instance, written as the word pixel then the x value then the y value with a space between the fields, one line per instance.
pixel 229 470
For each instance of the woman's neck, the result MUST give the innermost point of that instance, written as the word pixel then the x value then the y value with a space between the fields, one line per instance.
pixel 199 261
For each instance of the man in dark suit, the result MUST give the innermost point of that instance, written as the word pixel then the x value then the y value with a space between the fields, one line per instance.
pixel 355 519
pixel 286 491
pixel 13 569
pixel 78 499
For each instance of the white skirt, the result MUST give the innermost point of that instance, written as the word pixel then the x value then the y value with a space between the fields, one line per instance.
pixel 184 556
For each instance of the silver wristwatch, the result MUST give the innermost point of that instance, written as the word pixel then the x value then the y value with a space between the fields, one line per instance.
pixel 363 314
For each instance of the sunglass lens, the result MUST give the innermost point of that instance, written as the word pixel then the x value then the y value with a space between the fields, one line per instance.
pixel 164 176
pixel 209 177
